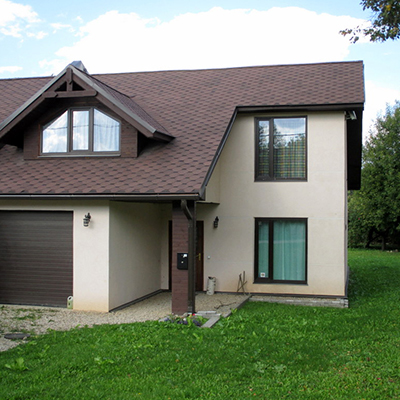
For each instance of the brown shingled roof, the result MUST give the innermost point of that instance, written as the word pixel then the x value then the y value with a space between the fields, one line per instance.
pixel 196 107
pixel 130 104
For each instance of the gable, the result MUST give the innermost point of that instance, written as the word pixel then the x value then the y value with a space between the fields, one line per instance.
pixel 74 85
pixel 131 141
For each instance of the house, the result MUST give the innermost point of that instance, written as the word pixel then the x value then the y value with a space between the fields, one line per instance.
pixel 114 187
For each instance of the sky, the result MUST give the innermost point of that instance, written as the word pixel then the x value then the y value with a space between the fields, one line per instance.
pixel 41 37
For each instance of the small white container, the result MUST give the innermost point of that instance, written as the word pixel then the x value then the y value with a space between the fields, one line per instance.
pixel 211 285
pixel 70 302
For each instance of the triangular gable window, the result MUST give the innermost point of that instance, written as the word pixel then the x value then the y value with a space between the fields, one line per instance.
pixel 81 131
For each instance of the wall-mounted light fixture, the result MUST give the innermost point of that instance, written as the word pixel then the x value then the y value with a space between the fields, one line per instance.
pixel 216 221
pixel 350 115
pixel 86 220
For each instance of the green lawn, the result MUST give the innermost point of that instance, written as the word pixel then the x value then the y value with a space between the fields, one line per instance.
pixel 263 351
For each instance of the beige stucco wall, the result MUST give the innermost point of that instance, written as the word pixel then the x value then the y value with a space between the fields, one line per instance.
pixel 135 251
pixel 229 249
pixel 213 189
pixel 90 258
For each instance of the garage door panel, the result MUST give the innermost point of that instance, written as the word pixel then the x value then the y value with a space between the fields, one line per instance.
pixel 35 257
pixel 41 274
pixel 48 264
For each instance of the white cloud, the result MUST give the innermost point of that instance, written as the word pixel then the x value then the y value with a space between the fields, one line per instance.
pixel 15 18
pixel 53 67
pixel 38 35
pixel 216 38
pixel 58 26
pixel 10 69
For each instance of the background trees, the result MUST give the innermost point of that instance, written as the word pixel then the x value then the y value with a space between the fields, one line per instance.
pixel 374 211
pixel 385 23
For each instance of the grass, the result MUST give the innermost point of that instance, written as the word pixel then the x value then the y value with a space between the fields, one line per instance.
pixel 263 351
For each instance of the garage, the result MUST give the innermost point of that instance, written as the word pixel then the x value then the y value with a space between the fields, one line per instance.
pixel 36 257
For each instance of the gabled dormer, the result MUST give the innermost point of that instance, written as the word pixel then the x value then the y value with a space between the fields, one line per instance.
pixel 75 114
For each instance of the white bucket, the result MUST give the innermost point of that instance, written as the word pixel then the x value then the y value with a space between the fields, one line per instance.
pixel 70 302
pixel 211 285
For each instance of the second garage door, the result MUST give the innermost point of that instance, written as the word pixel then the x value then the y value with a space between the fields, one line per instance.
pixel 35 257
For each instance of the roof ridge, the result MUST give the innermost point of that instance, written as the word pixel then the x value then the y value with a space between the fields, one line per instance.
pixel 26 78
pixel 228 68
pixel 186 70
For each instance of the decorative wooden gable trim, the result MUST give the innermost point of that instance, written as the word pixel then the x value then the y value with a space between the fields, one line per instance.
pixel 68 87
pixel 73 83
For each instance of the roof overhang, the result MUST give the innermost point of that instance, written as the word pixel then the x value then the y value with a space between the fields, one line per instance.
pixel 147 198
pixel 300 107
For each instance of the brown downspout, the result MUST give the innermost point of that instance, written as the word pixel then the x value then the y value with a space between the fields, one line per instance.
pixel 191 265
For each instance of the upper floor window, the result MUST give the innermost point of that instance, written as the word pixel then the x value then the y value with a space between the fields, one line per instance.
pixel 81 131
pixel 281 148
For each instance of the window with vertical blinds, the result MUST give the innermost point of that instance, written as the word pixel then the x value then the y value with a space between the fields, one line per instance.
pixel 281 148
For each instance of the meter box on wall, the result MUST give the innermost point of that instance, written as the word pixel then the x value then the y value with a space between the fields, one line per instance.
pixel 183 261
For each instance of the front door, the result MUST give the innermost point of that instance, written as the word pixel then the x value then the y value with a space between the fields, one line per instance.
pixel 199 255
pixel 199 266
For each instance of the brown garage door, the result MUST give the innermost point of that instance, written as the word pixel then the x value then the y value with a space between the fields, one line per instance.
pixel 35 257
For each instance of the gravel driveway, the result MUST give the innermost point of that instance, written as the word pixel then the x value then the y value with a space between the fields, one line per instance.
pixel 37 320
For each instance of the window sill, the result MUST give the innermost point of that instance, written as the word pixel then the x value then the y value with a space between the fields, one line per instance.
pixel 80 155
pixel 265 281
pixel 280 180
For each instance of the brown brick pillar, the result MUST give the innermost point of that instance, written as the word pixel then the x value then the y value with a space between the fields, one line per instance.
pixel 180 244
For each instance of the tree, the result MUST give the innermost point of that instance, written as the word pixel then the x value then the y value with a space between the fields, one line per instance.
pixel 385 23
pixel 374 211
